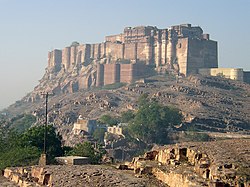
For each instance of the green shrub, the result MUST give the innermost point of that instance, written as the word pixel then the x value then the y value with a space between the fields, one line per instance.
pixel 107 119
pixel 152 121
pixel 86 150
pixel 19 156
pixel 113 86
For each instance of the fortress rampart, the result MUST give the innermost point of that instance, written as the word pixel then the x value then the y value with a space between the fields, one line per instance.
pixel 115 73
pixel 126 57
pixel 230 73
pixel 183 48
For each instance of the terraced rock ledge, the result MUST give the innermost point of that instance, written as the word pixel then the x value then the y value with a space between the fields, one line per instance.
pixel 224 163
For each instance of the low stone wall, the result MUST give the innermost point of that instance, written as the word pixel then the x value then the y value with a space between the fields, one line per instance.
pixel 173 179
pixel 19 176
pixel 28 177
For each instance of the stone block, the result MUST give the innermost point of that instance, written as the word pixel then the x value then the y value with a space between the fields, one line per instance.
pixel 73 160
pixel 7 172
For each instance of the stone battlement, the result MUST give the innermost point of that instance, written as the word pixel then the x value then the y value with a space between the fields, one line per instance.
pixel 182 47
pixel 137 52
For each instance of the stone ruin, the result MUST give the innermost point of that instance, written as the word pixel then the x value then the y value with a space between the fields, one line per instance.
pixel 214 164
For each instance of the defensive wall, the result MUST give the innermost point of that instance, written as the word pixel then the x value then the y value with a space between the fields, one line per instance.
pixel 115 73
pixel 127 57
pixel 246 76
pixel 230 73
pixel 182 47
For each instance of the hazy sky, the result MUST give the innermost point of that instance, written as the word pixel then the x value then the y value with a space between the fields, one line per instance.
pixel 30 28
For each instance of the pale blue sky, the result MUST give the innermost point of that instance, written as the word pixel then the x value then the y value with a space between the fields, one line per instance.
pixel 30 28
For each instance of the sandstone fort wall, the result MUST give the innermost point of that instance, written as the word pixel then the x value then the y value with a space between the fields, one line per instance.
pixel 230 73
pixel 182 48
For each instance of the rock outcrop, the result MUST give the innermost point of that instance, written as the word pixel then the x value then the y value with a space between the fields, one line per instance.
pixel 219 163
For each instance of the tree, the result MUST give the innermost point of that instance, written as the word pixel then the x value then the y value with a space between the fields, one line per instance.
pixel 35 137
pixel 8 138
pixel 99 135
pixel 152 121
pixel 19 156
pixel 86 150
pixel 107 119
pixel 25 149
pixel 143 99
pixel 13 153
pixel 127 116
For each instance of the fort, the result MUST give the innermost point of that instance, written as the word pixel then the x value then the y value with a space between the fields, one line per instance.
pixel 137 53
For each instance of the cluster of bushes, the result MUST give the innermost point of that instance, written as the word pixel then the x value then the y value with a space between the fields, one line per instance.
pixel 150 123
pixel 22 149
pixel 19 149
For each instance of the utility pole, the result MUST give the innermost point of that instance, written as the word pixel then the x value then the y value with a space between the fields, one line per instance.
pixel 122 153
pixel 43 159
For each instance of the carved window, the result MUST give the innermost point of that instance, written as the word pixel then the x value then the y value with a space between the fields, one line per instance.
pixel 179 45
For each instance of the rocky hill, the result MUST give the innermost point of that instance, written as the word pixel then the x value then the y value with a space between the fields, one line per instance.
pixel 210 103
pixel 107 78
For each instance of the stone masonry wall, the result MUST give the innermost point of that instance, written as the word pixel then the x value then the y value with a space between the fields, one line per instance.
pixel 55 59
pixel 201 53
pixel 182 55
pixel 115 73
pixel 246 76
pixel 182 48
pixel 100 75
pixel 126 73
pixel 112 73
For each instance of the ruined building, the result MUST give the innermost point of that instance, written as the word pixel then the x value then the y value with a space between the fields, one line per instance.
pixel 130 55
